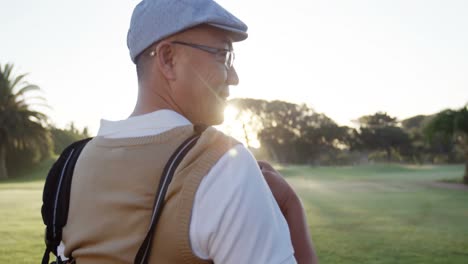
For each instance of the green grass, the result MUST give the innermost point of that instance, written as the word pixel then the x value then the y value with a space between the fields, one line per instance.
pixel 367 214
pixel 21 228
pixel 384 213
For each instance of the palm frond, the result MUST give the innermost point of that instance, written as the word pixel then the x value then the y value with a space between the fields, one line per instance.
pixel 5 73
pixel 27 88
pixel 20 126
pixel 17 80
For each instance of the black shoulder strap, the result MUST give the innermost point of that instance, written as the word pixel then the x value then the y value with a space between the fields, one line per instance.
pixel 56 196
pixel 143 254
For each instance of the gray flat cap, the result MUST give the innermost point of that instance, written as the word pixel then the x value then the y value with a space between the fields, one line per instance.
pixel 154 20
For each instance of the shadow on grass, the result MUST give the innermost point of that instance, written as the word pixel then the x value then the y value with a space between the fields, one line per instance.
pixel 460 180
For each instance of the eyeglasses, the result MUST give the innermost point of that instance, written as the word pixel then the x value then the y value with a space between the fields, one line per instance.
pixel 224 55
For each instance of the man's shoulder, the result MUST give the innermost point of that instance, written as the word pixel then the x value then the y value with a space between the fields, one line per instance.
pixel 213 138
pixel 210 147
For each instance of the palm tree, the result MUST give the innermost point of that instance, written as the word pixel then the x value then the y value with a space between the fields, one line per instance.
pixel 452 124
pixel 20 126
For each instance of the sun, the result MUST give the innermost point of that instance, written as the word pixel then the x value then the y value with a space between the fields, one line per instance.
pixel 235 125
pixel 230 113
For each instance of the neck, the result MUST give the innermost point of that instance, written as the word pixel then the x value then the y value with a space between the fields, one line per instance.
pixel 153 99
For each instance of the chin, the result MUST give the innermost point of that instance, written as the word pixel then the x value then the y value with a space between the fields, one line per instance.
pixel 214 121
pixel 208 121
pixel 218 122
pixel 217 117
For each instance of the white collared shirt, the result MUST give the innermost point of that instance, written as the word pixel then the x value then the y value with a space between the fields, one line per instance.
pixel 235 218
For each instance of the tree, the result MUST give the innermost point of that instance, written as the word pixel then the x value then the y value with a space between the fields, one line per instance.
pixel 377 120
pixel 291 133
pixel 452 124
pixel 439 148
pixel 277 125
pixel 64 137
pixel 418 150
pixel 20 126
pixel 379 132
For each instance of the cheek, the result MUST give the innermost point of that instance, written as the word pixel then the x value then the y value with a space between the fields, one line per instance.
pixel 206 80
pixel 200 89
pixel 213 80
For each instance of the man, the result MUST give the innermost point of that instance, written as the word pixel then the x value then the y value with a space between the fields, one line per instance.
pixel 218 208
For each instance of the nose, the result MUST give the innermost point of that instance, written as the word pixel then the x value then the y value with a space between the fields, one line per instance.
pixel 232 78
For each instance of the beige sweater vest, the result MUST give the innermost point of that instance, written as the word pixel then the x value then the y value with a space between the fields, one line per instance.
pixel 113 191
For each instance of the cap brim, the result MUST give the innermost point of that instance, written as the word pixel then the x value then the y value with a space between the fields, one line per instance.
pixel 235 33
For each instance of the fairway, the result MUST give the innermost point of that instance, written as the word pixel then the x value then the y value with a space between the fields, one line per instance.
pixel 384 214
pixel 365 214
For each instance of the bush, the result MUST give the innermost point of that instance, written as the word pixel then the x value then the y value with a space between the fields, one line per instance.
pixel 19 160
pixel 64 137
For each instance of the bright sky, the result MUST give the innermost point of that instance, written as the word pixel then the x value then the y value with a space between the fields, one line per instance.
pixel 343 58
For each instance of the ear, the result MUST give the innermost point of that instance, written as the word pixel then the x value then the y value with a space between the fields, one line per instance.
pixel 165 58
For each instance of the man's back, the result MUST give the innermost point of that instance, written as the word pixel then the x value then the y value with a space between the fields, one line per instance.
pixel 113 191
pixel 227 215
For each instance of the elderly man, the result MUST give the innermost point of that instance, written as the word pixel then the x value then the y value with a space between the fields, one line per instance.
pixel 219 207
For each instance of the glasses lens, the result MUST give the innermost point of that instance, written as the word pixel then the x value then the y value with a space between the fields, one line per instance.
pixel 229 59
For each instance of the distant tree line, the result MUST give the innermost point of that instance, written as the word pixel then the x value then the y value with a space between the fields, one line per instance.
pixel 26 137
pixel 20 159
pixel 288 132
pixel 293 133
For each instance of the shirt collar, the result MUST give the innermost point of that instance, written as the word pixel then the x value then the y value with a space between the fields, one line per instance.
pixel 142 125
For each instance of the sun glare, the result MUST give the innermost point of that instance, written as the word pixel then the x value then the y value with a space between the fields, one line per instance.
pixel 230 113
pixel 236 125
